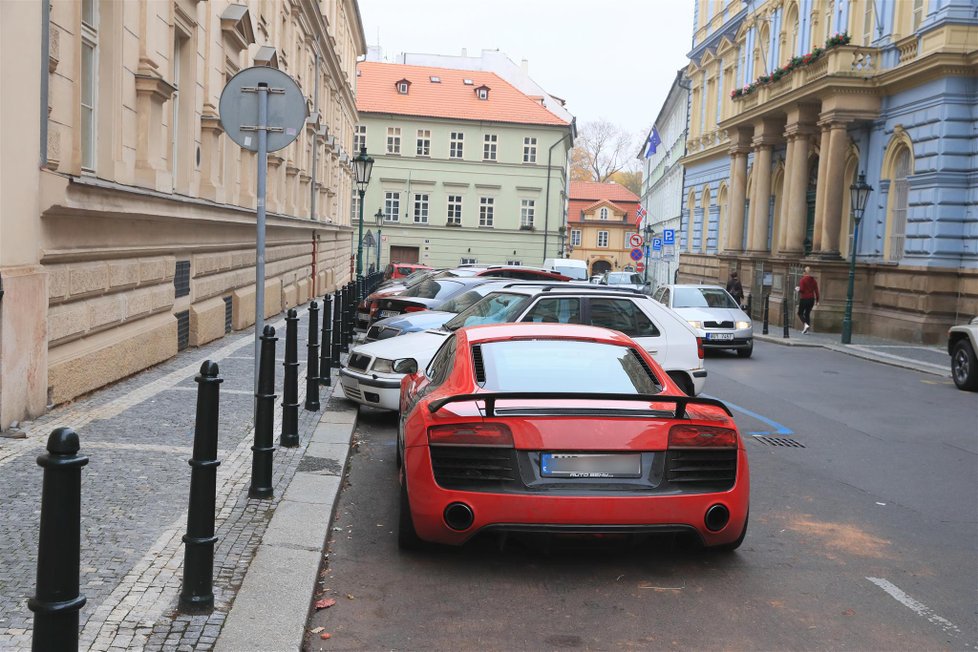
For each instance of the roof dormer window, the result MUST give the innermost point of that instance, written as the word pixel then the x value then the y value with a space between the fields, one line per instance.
pixel 467 82
pixel 403 85
pixel 482 92
pixel 435 80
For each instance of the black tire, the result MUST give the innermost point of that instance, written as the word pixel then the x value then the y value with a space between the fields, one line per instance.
pixel 964 366
pixel 407 537
pixel 746 353
pixel 733 545
pixel 683 381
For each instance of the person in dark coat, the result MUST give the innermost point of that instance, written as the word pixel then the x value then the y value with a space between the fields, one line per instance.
pixel 735 289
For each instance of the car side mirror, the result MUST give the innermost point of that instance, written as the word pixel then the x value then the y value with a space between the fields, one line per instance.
pixel 405 366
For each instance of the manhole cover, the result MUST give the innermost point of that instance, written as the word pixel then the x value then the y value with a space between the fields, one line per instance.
pixel 778 441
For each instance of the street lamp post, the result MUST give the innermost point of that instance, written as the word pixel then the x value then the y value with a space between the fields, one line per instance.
pixel 858 194
pixel 362 167
pixel 379 216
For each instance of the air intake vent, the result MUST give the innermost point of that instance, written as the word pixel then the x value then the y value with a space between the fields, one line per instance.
pixel 183 330
pixel 472 467
pixel 480 368
pixel 702 470
pixel 181 278
pixel 647 368
pixel 227 314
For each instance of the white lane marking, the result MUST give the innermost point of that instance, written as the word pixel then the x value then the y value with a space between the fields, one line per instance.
pixel 918 608
pixel 243 392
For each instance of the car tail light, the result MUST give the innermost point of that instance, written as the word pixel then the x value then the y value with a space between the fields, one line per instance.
pixel 414 308
pixel 699 347
pixel 471 434
pixel 373 307
pixel 683 436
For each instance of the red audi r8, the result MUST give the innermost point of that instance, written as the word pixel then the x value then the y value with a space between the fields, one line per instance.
pixel 563 429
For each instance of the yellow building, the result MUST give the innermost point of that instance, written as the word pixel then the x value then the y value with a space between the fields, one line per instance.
pixel 600 220
pixel 127 216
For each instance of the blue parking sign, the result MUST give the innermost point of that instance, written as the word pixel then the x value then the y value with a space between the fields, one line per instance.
pixel 656 244
pixel 669 236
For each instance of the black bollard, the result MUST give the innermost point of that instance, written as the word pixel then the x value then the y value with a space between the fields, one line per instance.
pixel 57 601
pixel 261 460
pixel 290 389
pixel 326 352
pixel 750 306
pixel 198 555
pixel 337 328
pixel 312 368
pixel 784 318
pixel 348 314
pixel 767 299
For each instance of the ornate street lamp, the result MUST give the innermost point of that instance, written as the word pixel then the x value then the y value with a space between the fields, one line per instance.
pixel 858 193
pixel 363 165
pixel 379 217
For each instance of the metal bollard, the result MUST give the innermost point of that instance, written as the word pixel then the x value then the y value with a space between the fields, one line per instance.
pixel 337 329
pixel 290 388
pixel 349 311
pixel 261 459
pixel 785 318
pixel 57 600
pixel 312 368
pixel 197 593
pixel 326 352
pixel 767 299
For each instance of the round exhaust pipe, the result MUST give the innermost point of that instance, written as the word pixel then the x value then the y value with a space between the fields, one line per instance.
pixel 716 518
pixel 459 516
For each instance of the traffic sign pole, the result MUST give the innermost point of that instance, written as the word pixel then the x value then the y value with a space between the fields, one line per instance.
pixel 260 245
pixel 646 262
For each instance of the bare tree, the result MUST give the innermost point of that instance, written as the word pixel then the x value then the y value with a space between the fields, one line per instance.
pixel 602 150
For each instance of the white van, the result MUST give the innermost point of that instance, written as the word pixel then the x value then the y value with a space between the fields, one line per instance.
pixel 575 269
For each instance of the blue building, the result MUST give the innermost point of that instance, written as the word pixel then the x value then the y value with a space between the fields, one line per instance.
pixel 790 101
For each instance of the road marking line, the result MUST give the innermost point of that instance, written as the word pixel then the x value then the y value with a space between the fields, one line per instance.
pixel 243 392
pixel 778 428
pixel 918 608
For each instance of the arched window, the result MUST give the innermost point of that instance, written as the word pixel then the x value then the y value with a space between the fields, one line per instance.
pixel 603 214
pixel 896 226
pixel 691 213
pixel 791 33
pixel 705 223
pixel 722 217
pixel 761 49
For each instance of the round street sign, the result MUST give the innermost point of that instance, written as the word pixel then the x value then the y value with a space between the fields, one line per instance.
pixel 636 254
pixel 239 108
pixel 640 267
pixel 635 240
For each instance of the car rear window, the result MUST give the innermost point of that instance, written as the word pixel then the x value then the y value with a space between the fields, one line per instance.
pixel 432 289
pixel 565 366
pixel 405 270
pixel 702 298
pixel 495 308
pixel 460 302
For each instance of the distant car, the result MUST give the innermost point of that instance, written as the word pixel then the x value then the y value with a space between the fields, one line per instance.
pixel 401 270
pixel 624 279
pixel 962 343
pixel 571 267
pixel 369 377
pixel 596 279
pixel 555 428
pixel 715 315
pixel 426 295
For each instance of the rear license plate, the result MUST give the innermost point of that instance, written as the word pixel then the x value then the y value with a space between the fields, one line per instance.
pixel 363 316
pixel 388 313
pixel 591 465
pixel 719 336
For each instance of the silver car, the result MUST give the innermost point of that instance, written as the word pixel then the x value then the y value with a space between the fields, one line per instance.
pixel 713 313
pixel 624 280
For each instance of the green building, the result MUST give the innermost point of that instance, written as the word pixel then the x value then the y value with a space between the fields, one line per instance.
pixel 468 169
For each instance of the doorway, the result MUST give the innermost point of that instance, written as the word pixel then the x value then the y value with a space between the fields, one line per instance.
pixel 404 254
pixel 600 267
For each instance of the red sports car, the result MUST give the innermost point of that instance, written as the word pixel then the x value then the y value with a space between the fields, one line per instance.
pixel 563 429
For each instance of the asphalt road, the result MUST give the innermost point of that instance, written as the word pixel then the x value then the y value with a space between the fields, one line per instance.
pixel 865 538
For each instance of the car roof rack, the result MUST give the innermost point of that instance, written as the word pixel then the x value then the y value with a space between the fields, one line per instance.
pixel 549 286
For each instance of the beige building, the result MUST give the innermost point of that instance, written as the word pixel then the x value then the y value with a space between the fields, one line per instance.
pixel 127 224
pixel 601 219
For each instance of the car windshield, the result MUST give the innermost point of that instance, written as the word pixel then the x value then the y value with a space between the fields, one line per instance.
pixel 460 302
pixel 565 366
pixel 620 278
pixel 432 289
pixel 495 308
pixel 702 298
pixel 576 273
pixel 417 277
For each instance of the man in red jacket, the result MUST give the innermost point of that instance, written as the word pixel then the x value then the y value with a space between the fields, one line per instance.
pixel 807 298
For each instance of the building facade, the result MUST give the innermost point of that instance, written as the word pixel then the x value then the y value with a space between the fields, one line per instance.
pixel 601 218
pixel 134 236
pixel 790 101
pixel 663 175
pixel 467 167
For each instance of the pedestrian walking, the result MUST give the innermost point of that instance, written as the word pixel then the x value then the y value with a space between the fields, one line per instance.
pixel 735 289
pixel 808 298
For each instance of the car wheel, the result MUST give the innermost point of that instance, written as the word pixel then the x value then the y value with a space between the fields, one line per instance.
pixel 733 545
pixel 964 367
pixel 746 353
pixel 683 381
pixel 407 537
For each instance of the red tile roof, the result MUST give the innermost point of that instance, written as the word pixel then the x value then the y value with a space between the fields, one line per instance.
pixel 451 98
pixel 596 191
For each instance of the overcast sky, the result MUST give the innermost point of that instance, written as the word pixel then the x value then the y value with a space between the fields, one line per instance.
pixel 612 59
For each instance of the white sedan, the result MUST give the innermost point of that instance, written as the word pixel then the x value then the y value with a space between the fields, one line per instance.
pixel 713 313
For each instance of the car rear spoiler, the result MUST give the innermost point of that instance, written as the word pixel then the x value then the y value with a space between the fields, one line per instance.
pixel 490 399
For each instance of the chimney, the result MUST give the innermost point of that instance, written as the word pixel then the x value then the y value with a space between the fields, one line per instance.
pixel 525 67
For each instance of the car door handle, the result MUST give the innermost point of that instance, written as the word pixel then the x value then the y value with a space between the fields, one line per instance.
pixel 651 352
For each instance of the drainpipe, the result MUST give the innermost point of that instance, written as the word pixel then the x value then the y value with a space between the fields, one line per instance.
pixel 45 58
pixel 315 148
pixel 546 201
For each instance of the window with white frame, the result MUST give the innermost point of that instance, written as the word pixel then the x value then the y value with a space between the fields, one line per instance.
pixel 468 261
pixel 527 211
pixel 603 214
pixel 514 263
pixel 392 206
pixel 455 144
pixel 455 209
pixel 489 147
pixel 529 149
pixel 602 238
pixel 918 15
pixel 89 81
pixel 393 140
pixel 421 208
pixel 359 138
pixel 424 142
pixel 486 209
pixel 355 207
pixel 575 237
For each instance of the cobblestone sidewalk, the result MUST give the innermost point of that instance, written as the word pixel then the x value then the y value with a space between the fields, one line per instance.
pixel 138 435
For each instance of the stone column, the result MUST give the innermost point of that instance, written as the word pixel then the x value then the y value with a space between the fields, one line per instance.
pixel 834 179
pixel 760 198
pixel 821 187
pixel 781 237
pixel 736 198
pixel 796 173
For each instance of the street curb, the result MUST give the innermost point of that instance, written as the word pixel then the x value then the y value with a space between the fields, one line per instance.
pixel 271 608
pixel 855 351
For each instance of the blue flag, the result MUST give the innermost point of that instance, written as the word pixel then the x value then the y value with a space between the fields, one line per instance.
pixel 654 141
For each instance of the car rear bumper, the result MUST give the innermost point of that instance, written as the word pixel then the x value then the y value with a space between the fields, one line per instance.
pixel 570 513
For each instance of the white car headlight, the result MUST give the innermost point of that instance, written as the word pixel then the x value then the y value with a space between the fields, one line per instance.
pixel 741 325
pixel 695 324
pixel 383 365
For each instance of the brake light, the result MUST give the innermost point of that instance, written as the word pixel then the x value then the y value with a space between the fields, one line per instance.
pixel 373 307
pixel 699 347
pixel 414 308
pixel 471 434
pixel 684 436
